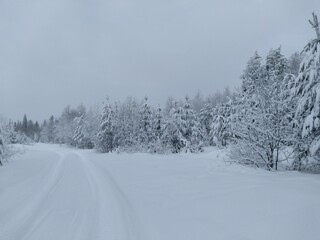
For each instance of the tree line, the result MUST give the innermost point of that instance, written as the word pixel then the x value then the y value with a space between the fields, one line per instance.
pixel 275 113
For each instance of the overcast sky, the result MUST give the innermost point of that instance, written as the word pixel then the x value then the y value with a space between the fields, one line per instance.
pixel 54 53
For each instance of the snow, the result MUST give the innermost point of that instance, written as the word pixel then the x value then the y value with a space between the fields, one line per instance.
pixel 53 192
pixel 307 126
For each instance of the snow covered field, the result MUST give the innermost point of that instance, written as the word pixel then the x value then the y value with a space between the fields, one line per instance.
pixel 53 192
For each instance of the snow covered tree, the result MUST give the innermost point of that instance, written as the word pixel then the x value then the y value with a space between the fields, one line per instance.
pixel 261 121
pixel 91 126
pixel 158 123
pixel 307 89
pixel 197 102
pixel 206 119
pixel 24 128
pixel 79 138
pixel 127 125
pixel 294 63
pixel 182 131
pixel 65 125
pixel 276 65
pixel 157 132
pixel 190 127
pixel 145 125
pixel 170 104
pixel 49 130
pixel 6 134
pixel 2 145
pixel 289 103
pixel 251 75
pixel 106 130
pixel 12 134
pixel 220 130
pixel 172 137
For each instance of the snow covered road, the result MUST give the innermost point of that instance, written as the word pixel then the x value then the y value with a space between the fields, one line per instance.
pixel 67 198
pixel 53 192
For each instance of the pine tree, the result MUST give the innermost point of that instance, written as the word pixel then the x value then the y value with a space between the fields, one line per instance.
pixel 182 131
pixel 43 134
pixel 92 120
pixel 220 128
pixel 190 128
pixel 158 123
pixel 206 120
pixel 65 124
pixel 307 89
pixel 127 125
pixel 2 143
pixel 252 75
pixel 145 125
pixel 37 132
pixel 106 129
pixel 24 128
pixel 78 137
pixel 12 135
pixel 51 130
pixel 294 63
pixel 276 66
pixel 157 131
pixel 172 137
pixel 197 102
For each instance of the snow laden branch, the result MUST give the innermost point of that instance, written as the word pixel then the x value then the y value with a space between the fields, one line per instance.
pixel 315 24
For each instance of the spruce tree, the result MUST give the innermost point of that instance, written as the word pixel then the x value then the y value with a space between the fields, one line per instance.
pixel 206 119
pixel 190 128
pixel 307 89
pixel 24 128
pixel 106 129
pixel 220 128
pixel 251 75
pixel 145 125
pixel 78 137
pixel 157 131
pixel 158 123
pixel 1 145
pixel 172 137
pixel 51 130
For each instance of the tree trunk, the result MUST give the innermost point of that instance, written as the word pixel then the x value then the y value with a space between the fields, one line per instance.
pixel 270 159
pixel 277 159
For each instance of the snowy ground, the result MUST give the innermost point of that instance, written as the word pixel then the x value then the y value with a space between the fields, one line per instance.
pixel 53 192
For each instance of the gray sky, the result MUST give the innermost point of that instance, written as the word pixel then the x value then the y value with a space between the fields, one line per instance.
pixel 54 53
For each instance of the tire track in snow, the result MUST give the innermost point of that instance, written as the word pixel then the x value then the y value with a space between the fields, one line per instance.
pixel 67 211
pixel 116 218
pixel 16 226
